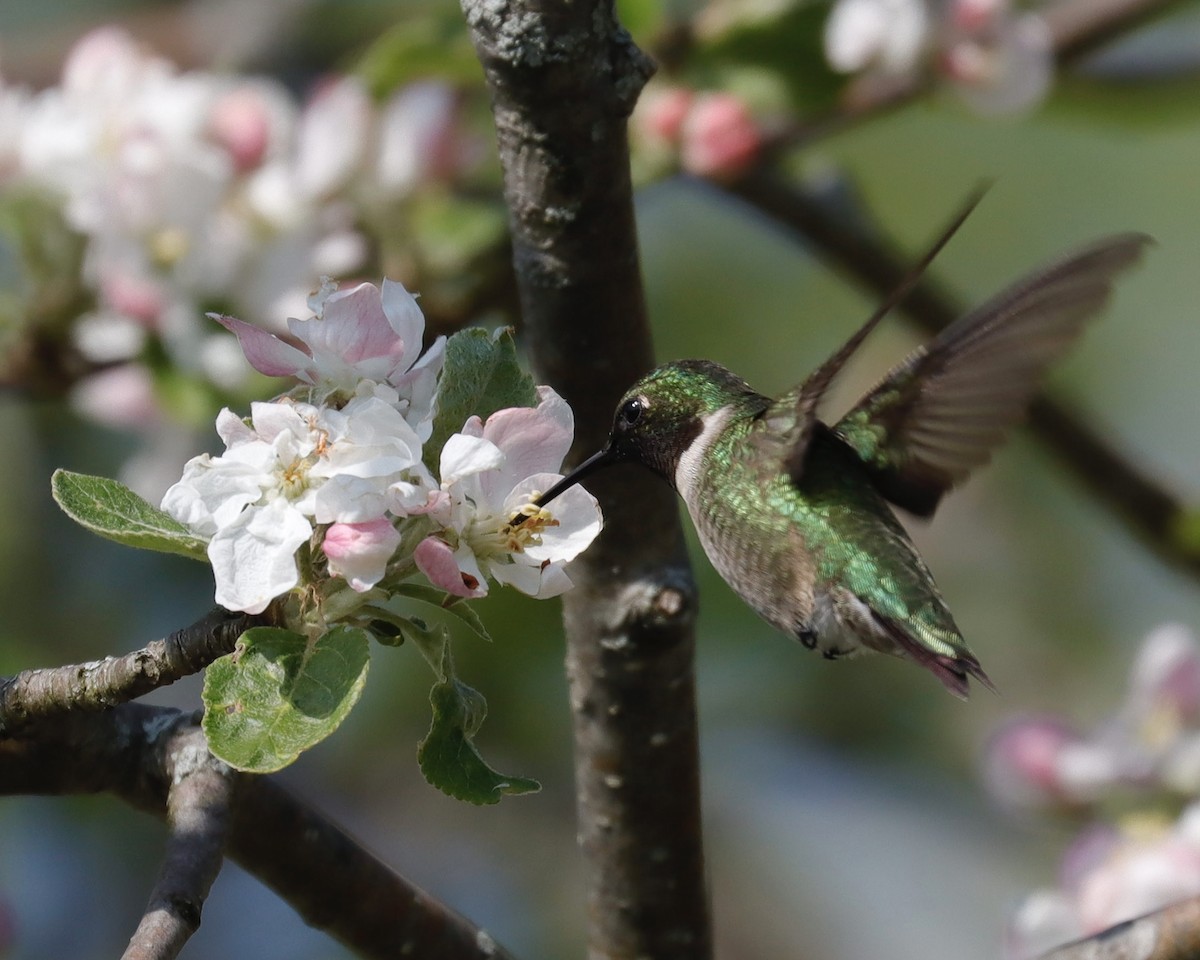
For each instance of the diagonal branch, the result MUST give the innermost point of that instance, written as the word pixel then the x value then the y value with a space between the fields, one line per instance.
pixel 135 751
pixel 1172 933
pixel 198 814
pixel 33 695
pixel 1151 511
pixel 563 78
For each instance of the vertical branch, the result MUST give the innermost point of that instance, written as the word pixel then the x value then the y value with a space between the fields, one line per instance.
pixel 563 78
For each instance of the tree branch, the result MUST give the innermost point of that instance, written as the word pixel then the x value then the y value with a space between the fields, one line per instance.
pixel 842 237
pixel 33 695
pixel 1172 933
pixel 198 813
pixel 333 883
pixel 563 78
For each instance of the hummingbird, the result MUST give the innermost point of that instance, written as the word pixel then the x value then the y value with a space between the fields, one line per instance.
pixel 797 515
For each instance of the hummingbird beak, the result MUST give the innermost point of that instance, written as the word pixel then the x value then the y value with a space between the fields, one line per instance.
pixel 604 458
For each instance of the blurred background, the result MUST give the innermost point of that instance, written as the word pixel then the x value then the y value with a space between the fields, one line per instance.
pixel 846 814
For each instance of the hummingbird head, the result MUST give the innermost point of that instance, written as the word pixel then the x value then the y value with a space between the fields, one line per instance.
pixel 661 415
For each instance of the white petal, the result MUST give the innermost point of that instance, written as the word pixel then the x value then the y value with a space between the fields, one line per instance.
pixel 577 513
pixel 464 456
pixel 254 558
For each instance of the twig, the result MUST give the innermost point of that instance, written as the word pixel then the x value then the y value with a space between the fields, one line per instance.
pixel 1150 511
pixel 564 77
pixel 1172 933
pixel 335 884
pixel 32 695
pixel 198 807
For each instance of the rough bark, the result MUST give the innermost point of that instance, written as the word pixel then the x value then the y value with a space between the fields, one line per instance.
pixel 563 79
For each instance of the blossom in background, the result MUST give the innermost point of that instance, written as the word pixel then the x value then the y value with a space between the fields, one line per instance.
pixel 1148 751
pixel 888 34
pixel 196 189
pixel 489 473
pixel 997 59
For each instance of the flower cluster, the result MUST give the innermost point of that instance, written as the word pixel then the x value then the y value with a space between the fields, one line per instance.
pixel 329 482
pixel 996 59
pixel 192 190
pixel 1145 761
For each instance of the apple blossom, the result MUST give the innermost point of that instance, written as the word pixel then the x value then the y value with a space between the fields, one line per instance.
pixel 1146 755
pixel 490 472
pixel 996 59
pixel 363 333
pixel 291 466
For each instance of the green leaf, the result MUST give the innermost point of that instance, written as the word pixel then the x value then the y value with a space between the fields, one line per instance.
pixel 481 375
pixel 277 694
pixel 456 606
pixel 448 757
pixel 114 511
pixel 783 38
pixel 453 232
pixel 433 45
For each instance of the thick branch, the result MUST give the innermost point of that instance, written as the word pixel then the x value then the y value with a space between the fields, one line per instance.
pixel 1150 511
pixel 564 77
pixel 1172 933
pixel 333 883
pixel 33 695
pixel 198 808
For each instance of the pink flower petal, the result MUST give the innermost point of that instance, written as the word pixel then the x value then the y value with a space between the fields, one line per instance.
pixel 265 352
pixel 359 552
pixel 352 327
pixel 435 559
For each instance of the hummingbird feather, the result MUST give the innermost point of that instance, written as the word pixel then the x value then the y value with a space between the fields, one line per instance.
pixel 794 415
pixel 939 414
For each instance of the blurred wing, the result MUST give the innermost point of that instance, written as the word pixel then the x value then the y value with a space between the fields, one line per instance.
pixel 938 415
pixel 791 418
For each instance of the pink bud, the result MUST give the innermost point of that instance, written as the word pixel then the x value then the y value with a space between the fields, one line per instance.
pixel 436 560
pixel 360 552
pixel 975 16
pixel 132 296
pixel 720 138
pixel 661 112
pixel 240 122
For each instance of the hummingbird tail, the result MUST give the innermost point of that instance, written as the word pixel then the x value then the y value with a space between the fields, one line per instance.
pixel 953 670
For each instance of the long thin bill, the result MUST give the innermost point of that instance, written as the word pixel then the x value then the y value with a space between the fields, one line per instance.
pixel 596 461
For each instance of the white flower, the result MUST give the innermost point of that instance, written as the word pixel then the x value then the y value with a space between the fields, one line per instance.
pixel 489 473
pixel 291 466
pixel 890 34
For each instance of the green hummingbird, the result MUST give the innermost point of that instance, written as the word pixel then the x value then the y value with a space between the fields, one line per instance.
pixel 795 514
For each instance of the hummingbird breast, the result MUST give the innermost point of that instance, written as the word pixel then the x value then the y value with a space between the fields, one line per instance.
pixel 824 561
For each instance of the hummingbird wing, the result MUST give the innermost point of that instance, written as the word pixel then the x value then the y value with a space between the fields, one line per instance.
pixel 938 414
pixel 791 418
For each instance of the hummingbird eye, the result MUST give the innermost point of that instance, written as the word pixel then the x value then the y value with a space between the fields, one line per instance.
pixel 631 411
